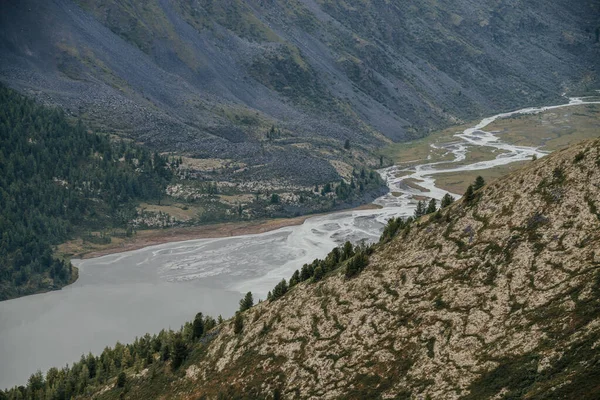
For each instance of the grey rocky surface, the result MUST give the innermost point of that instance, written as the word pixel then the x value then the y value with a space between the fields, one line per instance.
pixel 184 77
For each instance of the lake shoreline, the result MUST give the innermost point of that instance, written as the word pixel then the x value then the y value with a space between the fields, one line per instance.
pixel 153 237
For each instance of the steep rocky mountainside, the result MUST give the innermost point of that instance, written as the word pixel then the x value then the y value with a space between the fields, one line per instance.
pixel 496 297
pixel 210 78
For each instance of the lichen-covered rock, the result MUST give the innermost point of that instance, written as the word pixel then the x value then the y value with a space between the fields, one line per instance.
pixel 438 312
pixel 495 298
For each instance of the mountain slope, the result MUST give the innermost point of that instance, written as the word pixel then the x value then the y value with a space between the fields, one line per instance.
pixel 58 180
pixel 209 79
pixel 497 297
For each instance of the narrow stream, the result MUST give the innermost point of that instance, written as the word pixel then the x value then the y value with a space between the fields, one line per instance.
pixel 121 296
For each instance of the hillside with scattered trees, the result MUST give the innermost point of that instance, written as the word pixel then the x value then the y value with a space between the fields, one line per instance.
pixel 56 180
pixel 59 180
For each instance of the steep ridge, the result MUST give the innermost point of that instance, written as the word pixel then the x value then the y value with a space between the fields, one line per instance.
pixel 497 296
pixel 209 79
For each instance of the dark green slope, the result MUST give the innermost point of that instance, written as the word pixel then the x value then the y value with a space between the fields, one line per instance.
pixel 56 180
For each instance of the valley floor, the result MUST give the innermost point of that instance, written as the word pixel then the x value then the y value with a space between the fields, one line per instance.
pixel 80 249
pixel 550 130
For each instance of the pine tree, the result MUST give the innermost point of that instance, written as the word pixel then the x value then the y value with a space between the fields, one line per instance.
pixel 347 251
pixel 295 279
pixel 356 264
pixel 305 273
pixel 347 144
pixel 479 183
pixel 431 207
pixel 420 210
pixel 447 200
pixel 238 323
pixel 318 275
pixel 469 194
pixel 165 352
pixel 179 351
pixel 198 326
pixel 209 323
pixel 121 379
pixel 335 255
pixel 247 302
pixel 279 290
pixel 127 360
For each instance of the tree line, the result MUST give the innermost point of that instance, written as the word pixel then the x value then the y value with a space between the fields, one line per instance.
pixel 114 366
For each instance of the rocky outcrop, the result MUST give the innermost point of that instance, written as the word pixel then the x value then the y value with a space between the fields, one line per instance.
pixel 498 297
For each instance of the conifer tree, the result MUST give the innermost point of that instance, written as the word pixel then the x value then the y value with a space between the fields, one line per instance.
pixel 479 183
pixel 305 273
pixel 447 200
pixel 469 195
pixel 121 379
pixel 347 251
pixel 295 279
pixel 420 210
pixel 179 351
pixel 238 323
pixel 318 275
pixel 280 289
pixel 247 302
pixel 431 207
pixel 198 326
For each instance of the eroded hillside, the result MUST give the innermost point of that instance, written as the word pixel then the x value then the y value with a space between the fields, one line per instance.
pixel 496 297
pixel 210 79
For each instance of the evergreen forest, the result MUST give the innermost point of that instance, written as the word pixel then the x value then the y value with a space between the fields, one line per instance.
pixel 58 179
